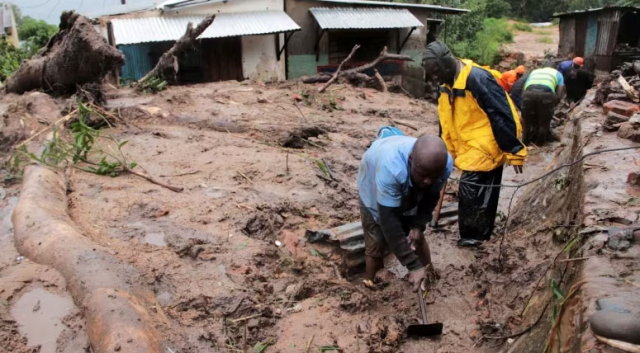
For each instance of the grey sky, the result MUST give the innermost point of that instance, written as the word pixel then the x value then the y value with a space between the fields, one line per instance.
pixel 50 10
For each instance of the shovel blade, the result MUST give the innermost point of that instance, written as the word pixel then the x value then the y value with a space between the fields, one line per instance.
pixel 428 330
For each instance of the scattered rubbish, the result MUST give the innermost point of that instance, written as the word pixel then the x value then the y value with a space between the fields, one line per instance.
pixel 350 237
pixel 278 243
pixel 19 258
pixel 330 349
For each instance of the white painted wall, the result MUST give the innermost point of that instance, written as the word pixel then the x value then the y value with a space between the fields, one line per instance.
pixel 259 59
pixel 230 6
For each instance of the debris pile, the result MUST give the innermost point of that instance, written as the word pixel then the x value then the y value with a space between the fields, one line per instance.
pixel 76 55
pixel 622 84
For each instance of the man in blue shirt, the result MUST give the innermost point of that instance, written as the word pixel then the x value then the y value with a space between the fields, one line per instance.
pixel 566 66
pixel 399 184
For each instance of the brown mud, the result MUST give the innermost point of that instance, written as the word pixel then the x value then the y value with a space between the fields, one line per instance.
pixel 262 164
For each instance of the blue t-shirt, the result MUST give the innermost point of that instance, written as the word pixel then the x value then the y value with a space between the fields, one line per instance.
pixel 384 177
pixel 564 67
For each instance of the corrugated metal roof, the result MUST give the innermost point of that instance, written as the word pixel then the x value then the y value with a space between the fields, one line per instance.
pixel 164 28
pixel 250 23
pixel 434 8
pixel 582 12
pixel 363 18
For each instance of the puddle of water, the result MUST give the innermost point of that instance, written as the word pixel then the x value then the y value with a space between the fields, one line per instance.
pixel 215 193
pixel 155 238
pixel 6 227
pixel 39 314
pixel 164 298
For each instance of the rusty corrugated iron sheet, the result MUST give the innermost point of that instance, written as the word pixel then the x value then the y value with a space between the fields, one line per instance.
pixel 581 34
pixel 608 23
pixel 566 46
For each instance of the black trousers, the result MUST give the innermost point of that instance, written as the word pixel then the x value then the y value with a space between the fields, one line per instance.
pixel 537 110
pixel 478 204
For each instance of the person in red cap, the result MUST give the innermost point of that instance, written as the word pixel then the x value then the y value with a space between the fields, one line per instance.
pixel 567 65
pixel 510 77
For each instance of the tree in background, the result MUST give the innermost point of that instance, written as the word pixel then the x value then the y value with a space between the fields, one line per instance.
pixel 33 35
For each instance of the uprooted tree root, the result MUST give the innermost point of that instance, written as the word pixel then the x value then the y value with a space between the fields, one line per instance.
pixel 119 311
pixel 76 55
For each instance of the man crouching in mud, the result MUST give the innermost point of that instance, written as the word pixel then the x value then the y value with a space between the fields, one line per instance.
pixel 399 184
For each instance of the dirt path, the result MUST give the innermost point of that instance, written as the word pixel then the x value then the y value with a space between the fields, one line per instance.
pixel 210 254
pixel 536 43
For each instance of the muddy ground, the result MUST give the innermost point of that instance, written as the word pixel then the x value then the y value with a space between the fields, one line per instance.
pixel 248 157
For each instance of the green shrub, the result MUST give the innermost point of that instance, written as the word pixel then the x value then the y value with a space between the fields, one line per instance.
pixel 523 27
pixel 10 58
pixel 485 47
pixel 545 40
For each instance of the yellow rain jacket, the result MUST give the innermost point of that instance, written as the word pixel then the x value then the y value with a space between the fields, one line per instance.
pixel 480 125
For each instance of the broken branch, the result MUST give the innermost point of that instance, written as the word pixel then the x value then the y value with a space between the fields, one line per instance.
pixel 398 122
pixel 169 58
pixel 357 72
pixel 337 73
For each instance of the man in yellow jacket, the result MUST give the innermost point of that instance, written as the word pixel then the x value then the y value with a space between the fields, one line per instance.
pixel 481 130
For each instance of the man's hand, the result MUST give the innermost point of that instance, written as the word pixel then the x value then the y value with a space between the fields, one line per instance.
pixel 518 169
pixel 416 278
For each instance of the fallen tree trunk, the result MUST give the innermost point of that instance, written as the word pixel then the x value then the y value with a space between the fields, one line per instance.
pixel 120 311
pixel 76 55
pixel 357 73
pixel 170 58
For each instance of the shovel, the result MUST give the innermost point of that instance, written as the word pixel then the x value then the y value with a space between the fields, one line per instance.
pixel 424 329
pixel 436 214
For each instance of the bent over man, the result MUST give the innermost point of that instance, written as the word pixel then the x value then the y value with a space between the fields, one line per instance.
pixel 399 183
pixel 481 130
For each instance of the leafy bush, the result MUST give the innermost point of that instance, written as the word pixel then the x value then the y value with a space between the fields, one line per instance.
pixel 523 27
pixel 35 33
pixel 545 40
pixel 484 47
pixel 10 58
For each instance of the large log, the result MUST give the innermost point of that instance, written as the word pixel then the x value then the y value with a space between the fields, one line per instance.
pixel 170 58
pixel 120 310
pixel 76 55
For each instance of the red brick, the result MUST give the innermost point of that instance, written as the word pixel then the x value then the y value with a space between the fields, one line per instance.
pixel 621 107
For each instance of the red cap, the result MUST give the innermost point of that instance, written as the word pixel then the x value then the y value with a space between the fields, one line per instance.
pixel 578 61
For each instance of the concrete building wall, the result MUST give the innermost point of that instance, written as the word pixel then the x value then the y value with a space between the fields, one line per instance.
pixel 259 58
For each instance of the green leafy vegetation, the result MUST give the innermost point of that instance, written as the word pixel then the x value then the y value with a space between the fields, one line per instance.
pixel 87 149
pixel 153 85
pixel 10 58
pixel 484 48
pixel 522 27
pixel 545 40
pixel 33 35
